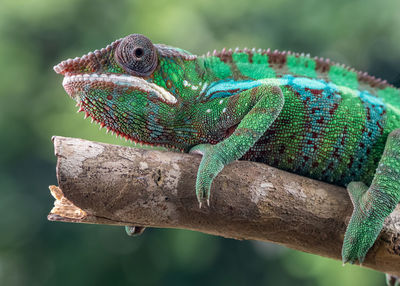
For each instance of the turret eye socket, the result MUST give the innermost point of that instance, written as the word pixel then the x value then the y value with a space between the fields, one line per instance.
pixel 137 55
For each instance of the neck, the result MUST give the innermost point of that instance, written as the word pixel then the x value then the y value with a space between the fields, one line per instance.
pixel 157 127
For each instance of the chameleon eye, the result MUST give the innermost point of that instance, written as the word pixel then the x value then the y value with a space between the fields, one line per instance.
pixel 137 55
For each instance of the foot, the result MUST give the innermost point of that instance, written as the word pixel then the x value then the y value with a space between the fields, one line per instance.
pixel 210 166
pixel 392 280
pixel 364 225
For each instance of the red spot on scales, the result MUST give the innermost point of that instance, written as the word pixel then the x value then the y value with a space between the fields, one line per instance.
pixel 342 142
pixel 336 153
pixel 368 113
pixel 350 163
pixel 230 130
pixel 314 91
pixel 276 57
pixel 332 111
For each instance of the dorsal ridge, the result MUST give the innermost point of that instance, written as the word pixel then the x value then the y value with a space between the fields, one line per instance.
pixel 323 65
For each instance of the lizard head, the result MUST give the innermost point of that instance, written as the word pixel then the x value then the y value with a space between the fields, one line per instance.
pixel 136 89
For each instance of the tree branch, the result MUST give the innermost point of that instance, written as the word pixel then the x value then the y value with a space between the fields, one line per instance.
pixel 107 184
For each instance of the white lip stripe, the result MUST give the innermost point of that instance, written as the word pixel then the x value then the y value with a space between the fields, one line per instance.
pixel 123 80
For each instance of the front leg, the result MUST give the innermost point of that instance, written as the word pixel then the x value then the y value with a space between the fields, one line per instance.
pixel 255 109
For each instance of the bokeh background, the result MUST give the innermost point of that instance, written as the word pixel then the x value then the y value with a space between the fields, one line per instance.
pixel 37 34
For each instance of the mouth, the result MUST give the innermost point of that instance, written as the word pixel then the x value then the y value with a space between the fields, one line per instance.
pixel 71 82
pixel 75 84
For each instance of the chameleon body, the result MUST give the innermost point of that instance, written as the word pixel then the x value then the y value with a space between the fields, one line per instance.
pixel 304 115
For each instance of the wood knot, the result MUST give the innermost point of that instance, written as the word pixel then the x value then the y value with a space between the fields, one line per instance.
pixel 158 178
pixel 396 244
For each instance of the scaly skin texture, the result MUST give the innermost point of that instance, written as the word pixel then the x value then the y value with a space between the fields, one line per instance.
pixel 300 114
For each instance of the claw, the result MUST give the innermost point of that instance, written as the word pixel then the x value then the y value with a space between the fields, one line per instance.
pixel 210 166
pixel 134 230
pixel 353 260
pixel 392 280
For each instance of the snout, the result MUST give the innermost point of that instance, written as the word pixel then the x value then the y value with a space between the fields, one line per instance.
pixel 93 62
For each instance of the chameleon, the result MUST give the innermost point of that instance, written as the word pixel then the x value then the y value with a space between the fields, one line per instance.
pixel 305 115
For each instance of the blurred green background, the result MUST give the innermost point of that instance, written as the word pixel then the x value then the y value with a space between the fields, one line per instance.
pixel 37 34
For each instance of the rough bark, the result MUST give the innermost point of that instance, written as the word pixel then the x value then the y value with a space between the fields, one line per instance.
pixel 107 184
